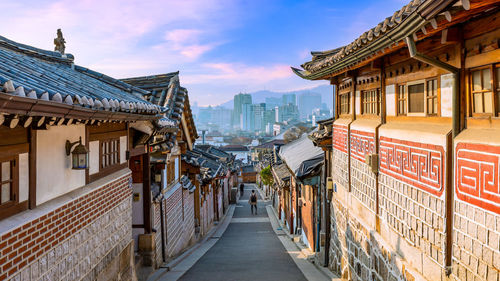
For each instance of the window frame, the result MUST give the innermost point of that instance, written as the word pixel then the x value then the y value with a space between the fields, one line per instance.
pixel 13 206
pixel 105 133
pixel 494 90
pixel 101 153
pixel 406 99
pixel 370 103
pixel 344 105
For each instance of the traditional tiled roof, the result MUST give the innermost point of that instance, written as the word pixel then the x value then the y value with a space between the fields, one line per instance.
pixel 413 19
pixel 187 184
pixel 323 132
pixel 281 173
pixel 38 80
pixel 301 156
pixel 270 144
pixel 234 147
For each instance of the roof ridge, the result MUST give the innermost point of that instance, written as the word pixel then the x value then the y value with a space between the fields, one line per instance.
pixel 36 52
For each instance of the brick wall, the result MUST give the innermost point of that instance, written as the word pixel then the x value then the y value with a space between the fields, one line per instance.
pixel 75 241
pixel 159 233
pixel 179 221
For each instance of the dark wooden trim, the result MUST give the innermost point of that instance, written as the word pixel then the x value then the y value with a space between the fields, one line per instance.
pixel 14 209
pixel 32 169
pixel 107 171
pixel 449 200
pixel 9 150
pixel 108 135
pixel 136 151
pixel 137 225
pixel 146 193
pixel 14 136
pixel 87 134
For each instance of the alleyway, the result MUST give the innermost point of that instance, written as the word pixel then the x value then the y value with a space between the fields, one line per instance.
pixel 248 250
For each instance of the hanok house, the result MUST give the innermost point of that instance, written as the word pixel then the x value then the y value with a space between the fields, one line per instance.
pixel 282 177
pixel 168 208
pixel 65 200
pixel 210 201
pixel 304 161
pixel 416 144
pixel 322 137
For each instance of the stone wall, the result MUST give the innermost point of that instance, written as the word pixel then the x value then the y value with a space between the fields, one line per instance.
pixel 476 222
pixel 76 240
pixel 157 224
pixel 179 221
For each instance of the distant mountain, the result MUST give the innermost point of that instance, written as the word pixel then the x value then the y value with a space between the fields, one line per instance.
pixel 326 92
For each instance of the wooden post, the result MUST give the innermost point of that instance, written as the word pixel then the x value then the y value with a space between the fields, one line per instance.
pixel 146 191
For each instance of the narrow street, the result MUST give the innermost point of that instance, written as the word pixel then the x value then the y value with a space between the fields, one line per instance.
pixel 248 250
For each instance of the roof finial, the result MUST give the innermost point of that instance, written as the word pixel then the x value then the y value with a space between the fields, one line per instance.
pixel 59 42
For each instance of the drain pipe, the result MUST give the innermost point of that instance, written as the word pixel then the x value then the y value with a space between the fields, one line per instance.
pixel 455 116
pixel 455 102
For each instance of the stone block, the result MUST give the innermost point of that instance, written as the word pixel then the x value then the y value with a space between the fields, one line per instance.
pixel 147 242
pixel 493 240
pixel 482 234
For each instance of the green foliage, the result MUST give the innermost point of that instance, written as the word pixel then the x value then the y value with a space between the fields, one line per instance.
pixel 266 176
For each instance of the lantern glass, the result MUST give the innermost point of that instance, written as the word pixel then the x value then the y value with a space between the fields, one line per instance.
pixel 80 157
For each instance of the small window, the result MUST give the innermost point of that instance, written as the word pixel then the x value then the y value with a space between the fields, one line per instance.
pixel 371 102
pixel 482 91
pixel 432 97
pixel 110 153
pixel 344 103
pixel 416 98
pixel 8 192
pixel 402 98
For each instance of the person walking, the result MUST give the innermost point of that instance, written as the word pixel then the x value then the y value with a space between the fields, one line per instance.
pixel 242 188
pixel 253 201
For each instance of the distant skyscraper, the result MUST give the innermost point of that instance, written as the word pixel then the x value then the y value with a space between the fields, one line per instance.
pixel 287 112
pixel 247 117
pixel 239 100
pixel 258 115
pixel 307 102
pixel 272 102
pixel 289 98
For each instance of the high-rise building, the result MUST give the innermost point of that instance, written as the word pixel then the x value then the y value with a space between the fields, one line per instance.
pixel 289 98
pixel 239 100
pixel 246 117
pixel 258 113
pixel 307 102
pixel 272 102
pixel 287 112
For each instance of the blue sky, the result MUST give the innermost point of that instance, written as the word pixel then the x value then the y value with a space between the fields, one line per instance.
pixel 221 47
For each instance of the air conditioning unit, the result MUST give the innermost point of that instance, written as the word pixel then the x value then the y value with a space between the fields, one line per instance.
pixel 372 161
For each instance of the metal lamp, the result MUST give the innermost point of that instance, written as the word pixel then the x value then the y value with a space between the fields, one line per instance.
pixel 79 156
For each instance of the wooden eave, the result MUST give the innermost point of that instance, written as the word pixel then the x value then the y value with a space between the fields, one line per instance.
pixel 458 15
pixel 34 107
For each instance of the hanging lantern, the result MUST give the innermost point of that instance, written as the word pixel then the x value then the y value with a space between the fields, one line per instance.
pixel 79 156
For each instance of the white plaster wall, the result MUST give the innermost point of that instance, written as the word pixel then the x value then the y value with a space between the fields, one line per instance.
pixel 446 94
pixel 358 102
pixel 93 157
pixel 24 176
pixel 177 170
pixel 54 176
pixel 137 207
pixel 123 149
pixel 390 100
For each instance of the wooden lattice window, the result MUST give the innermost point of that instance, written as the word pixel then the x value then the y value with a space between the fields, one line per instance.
pixel 416 103
pixel 432 97
pixel 109 153
pixel 344 103
pixel 8 187
pixel 371 102
pixel 402 98
pixel 482 95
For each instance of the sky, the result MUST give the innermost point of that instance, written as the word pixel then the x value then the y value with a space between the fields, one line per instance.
pixel 220 47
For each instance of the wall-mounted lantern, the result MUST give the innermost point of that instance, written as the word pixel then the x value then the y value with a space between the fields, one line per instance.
pixel 79 156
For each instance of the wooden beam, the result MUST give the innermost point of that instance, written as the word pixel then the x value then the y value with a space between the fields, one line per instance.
pixel 32 168
pixel 146 193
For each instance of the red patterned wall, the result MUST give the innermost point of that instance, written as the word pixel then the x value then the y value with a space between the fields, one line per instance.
pixel 340 137
pixel 476 175
pixel 362 143
pixel 418 164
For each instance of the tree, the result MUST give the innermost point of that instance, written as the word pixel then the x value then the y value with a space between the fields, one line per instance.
pixel 266 176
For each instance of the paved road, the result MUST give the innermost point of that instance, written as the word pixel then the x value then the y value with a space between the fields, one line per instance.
pixel 248 250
